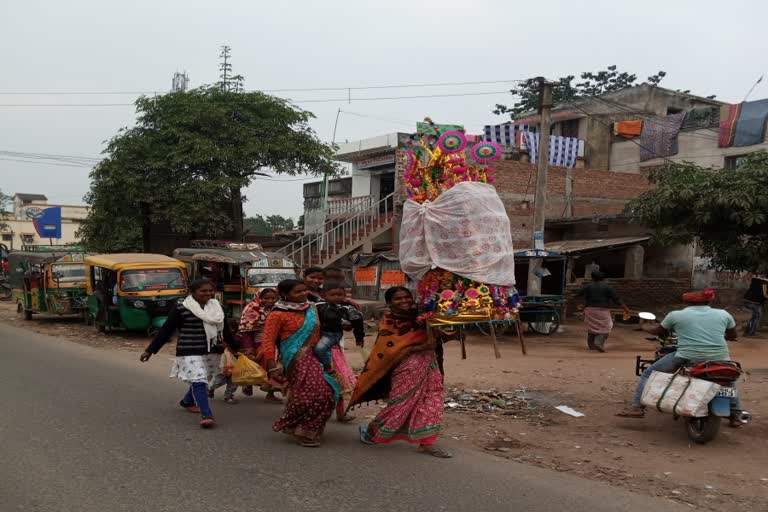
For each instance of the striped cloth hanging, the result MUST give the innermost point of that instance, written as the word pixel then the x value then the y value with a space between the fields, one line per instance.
pixel 505 134
pixel 563 151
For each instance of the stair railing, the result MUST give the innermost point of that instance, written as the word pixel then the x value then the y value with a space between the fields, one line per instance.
pixel 315 248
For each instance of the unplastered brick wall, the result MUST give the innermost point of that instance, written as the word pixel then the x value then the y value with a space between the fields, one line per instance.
pixel 656 295
pixel 591 192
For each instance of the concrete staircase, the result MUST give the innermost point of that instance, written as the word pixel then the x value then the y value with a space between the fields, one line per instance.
pixel 342 235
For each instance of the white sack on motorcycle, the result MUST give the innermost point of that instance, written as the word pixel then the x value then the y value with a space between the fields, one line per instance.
pixel 678 394
pixel 465 231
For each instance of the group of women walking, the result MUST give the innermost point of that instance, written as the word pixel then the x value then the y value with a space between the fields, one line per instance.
pixel 279 329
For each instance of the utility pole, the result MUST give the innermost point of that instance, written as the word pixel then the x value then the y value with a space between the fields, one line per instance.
pixel 540 204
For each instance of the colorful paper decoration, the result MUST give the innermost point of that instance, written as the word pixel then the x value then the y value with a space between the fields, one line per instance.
pixel 486 152
pixel 452 142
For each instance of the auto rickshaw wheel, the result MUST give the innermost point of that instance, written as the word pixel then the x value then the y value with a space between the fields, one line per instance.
pixel 22 311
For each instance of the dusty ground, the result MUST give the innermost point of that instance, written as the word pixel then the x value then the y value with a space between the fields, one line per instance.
pixel 650 455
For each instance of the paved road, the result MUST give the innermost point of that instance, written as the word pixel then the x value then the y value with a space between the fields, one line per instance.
pixel 84 429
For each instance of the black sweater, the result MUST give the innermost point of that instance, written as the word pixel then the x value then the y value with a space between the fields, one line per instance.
pixel 191 340
pixel 757 292
pixel 599 295
pixel 332 315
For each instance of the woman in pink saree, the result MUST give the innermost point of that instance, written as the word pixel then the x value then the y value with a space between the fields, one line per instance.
pixel 403 369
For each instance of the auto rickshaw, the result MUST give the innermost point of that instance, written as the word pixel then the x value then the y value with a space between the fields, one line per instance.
pixel 238 270
pixel 48 279
pixel 133 292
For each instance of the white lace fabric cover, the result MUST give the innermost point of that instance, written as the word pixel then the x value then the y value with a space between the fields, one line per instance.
pixel 465 231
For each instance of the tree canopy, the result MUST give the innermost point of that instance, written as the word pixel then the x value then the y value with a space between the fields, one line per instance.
pixel 187 160
pixel 265 226
pixel 564 90
pixel 4 201
pixel 725 211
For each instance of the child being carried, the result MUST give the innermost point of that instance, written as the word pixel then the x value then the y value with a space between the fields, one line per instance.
pixel 335 315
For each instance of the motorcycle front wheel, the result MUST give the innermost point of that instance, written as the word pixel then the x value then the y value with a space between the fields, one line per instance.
pixel 702 430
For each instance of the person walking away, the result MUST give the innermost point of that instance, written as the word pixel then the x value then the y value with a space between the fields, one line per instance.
pixel 403 369
pixel 754 301
pixel 598 299
pixel 335 314
pixel 250 332
pixel 199 321
pixel 702 334
pixel 292 330
pixel 313 280
pixel 6 267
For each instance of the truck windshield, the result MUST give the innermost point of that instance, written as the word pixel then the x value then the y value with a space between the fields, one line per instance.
pixel 68 273
pixel 268 277
pixel 151 279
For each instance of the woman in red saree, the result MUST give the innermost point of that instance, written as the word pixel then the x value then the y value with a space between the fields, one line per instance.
pixel 403 369
pixel 292 330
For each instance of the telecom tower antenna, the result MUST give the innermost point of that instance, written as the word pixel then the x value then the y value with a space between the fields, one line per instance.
pixel 180 82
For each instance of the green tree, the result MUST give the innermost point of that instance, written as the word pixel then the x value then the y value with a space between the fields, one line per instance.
pixel 261 226
pixel 564 90
pixel 187 160
pixel 280 223
pixel 725 211
pixel 300 222
pixel 4 202
pixel 257 225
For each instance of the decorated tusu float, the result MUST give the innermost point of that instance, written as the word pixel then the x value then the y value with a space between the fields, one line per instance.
pixel 455 238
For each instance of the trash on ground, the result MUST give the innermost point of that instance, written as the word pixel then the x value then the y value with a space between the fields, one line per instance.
pixel 514 403
pixel 569 411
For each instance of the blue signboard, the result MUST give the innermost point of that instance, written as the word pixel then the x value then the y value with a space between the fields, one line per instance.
pixel 48 225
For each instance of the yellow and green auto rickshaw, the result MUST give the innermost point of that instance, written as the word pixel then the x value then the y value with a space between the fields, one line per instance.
pixel 48 279
pixel 134 292
pixel 238 270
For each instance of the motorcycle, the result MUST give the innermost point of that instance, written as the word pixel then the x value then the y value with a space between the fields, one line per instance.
pixel 702 430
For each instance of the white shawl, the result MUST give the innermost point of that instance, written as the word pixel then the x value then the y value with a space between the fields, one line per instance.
pixel 212 316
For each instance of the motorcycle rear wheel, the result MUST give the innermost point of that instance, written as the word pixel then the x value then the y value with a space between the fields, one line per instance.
pixel 702 430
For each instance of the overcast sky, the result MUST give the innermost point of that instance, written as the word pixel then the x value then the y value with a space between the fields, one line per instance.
pixel 106 46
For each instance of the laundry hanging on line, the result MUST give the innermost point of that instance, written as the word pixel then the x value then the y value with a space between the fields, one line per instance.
pixel 628 129
pixel 563 151
pixel 659 137
pixel 729 114
pixel 507 134
pixel 750 127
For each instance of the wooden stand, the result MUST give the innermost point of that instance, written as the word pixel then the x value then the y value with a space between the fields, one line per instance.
pixel 519 329
pixel 494 339
pixel 496 350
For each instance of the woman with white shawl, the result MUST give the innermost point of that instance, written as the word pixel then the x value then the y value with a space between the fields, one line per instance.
pixel 201 330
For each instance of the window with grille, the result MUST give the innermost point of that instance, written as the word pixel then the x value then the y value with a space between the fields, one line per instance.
pixel 733 162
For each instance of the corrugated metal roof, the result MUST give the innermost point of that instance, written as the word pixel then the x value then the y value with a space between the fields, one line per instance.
pixel 30 197
pixel 585 245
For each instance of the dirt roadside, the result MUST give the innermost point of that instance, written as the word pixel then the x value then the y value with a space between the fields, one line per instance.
pixel 507 407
